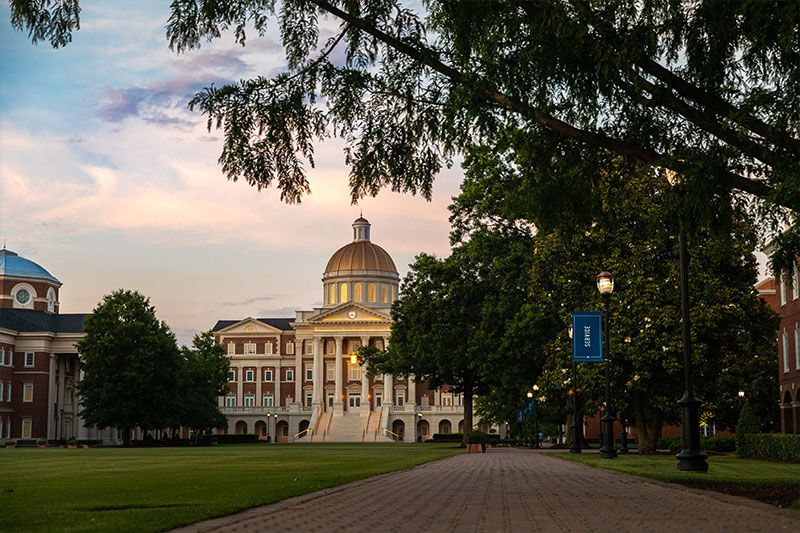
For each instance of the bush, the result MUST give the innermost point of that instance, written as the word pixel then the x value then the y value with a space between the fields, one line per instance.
pixel 447 437
pixel 673 444
pixel 748 424
pixel 41 442
pixel 229 439
pixel 777 447
pixel 718 444
pixel 475 436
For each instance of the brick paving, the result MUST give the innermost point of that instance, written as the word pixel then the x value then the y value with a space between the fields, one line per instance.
pixel 509 490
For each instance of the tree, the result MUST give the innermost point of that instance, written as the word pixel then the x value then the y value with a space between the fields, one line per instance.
pixel 204 372
pixel 708 89
pixel 130 363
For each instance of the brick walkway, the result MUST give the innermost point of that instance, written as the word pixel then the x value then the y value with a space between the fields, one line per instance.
pixel 509 490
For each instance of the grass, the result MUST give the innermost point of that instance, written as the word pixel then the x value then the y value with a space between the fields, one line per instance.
pixel 161 488
pixel 773 482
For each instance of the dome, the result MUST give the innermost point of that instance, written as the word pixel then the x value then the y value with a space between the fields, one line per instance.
pixel 361 254
pixel 12 265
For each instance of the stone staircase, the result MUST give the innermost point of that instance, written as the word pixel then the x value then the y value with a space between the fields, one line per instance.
pixel 346 428
pixel 373 433
pixel 322 427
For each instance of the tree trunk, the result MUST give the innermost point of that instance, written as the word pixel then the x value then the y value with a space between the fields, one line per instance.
pixel 648 433
pixel 467 406
pixel 126 437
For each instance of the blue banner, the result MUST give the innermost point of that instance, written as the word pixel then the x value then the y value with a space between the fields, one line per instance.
pixel 530 407
pixel 519 413
pixel 587 336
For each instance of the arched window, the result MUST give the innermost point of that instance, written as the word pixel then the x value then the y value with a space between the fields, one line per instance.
pixel 384 293
pixel 332 295
pixel 394 293
pixel 357 292
pixel 371 289
pixel 343 292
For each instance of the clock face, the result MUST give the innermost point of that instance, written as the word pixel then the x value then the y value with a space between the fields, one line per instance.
pixel 351 314
pixel 23 296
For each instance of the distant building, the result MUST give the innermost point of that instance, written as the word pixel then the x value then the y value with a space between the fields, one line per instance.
pixel 292 378
pixel 38 358
pixel 784 297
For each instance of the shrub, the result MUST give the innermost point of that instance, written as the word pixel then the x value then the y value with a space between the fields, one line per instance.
pixel 747 424
pixel 447 437
pixel 716 443
pixel 673 444
pixel 228 439
pixel 475 436
pixel 41 442
pixel 777 447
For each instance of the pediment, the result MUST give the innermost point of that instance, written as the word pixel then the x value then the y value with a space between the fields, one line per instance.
pixel 349 313
pixel 250 326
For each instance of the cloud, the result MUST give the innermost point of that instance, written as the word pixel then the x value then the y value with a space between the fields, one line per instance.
pixel 248 301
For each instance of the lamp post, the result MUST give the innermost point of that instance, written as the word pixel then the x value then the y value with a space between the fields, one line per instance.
pixel 530 397
pixel 577 429
pixel 536 418
pixel 691 458
pixel 605 285
pixel 268 417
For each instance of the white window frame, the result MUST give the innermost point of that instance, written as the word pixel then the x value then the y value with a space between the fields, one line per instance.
pixel 309 399
pixel 289 375
pixel 32 357
pixel 400 398
pixel 8 392
pixel 231 348
pixel 268 400
pixel 268 348
pixel 27 390
pixel 353 372
pixel 231 375
pixel 309 348
pixel 249 400
pixel 782 287
pixel 26 428
pixel 290 348
pixel 309 373
pixel 330 371
pixel 10 360
pixel 230 400
pixel 785 346
pixel 2 359
pixel 795 283
pixel 249 348
pixel 250 375
pixel 269 376
pixel 797 347
pixel 1 399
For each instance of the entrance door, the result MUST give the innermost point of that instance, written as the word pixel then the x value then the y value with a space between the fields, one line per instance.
pixel 354 401
pixel 378 400
pixel 330 400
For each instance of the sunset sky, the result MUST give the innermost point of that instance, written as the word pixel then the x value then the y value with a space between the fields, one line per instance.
pixel 108 181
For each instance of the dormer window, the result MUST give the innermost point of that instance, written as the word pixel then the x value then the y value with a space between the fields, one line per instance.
pixel 51 300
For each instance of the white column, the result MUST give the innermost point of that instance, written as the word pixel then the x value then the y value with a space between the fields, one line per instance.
pixel 298 373
pixel 62 367
pixel 365 403
pixel 319 372
pixel 388 381
pixel 437 397
pixel 239 397
pixel 338 405
pixel 412 392
pixel 51 399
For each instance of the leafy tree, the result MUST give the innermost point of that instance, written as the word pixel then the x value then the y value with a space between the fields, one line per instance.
pixel 709 89
pixel 202 379
pixel 130 363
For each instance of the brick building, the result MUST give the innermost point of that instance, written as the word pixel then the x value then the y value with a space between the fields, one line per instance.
pixel 292 378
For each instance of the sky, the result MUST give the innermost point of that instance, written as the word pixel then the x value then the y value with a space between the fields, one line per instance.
pixel 108 181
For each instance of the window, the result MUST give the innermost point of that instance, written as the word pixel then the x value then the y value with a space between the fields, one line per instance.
pixel 250 375
pixel 401 399
pixel 384 293
pixel 797 348
pixel 394 295
pixel 330 372
pixel 26 428
pixel 371 292
pixel 378 399
pixel 29 359
pixel 231 376
pixel 309 347
pixel 249 348
pixel 343 292
pixel 8 392
pixel 795 284
pixel 332 293
pixel 230 400
pixel 309 373
pixel 2 358
pixel 268 374
pixel 309 399
pixel 330 347
pixel 27 392
pixel 782 284
pixel 10 358
pixel 231 348
pixel 290 348
pixel 785 352
pixel 268 400
pixel 1 394
pixel 268 348
pixel 51 300
pixel 249 400
pixel 289 375
pixel 357 292
pixel 353 372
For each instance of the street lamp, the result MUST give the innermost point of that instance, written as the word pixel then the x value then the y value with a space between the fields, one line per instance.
pixel 577 429
pixel 536 419
pixel 268 416
pixel 605 285
pixel 691 457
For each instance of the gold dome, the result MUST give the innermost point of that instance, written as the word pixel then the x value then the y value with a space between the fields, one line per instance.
pixel 360 255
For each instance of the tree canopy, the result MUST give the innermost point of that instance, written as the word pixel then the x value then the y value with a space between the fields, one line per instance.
pixel 709 89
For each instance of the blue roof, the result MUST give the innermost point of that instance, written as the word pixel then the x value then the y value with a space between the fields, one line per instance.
pixel 13 265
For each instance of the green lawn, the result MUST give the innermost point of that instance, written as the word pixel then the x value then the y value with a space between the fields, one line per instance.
pixel 727 473
pixel 160 488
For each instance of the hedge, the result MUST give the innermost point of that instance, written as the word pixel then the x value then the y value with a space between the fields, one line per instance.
pixel 447 437
pixel 776 447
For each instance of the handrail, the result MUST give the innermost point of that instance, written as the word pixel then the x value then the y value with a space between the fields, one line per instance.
pixel 304 431
pixel 394 435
